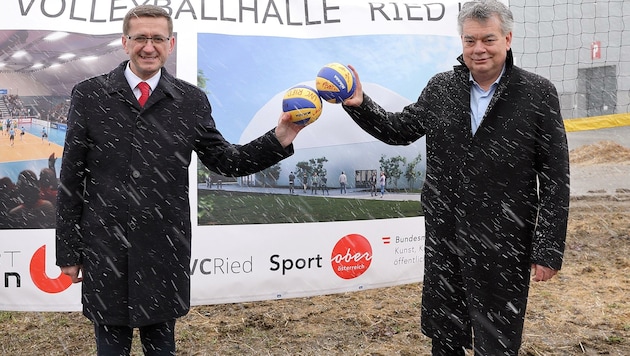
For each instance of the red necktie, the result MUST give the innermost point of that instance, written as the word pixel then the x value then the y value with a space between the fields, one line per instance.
pixel 144 92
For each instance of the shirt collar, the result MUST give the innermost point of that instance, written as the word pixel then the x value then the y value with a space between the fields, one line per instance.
pixel 134 80
pixel 472 80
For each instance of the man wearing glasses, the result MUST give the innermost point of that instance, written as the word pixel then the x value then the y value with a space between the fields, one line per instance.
pixel 123 219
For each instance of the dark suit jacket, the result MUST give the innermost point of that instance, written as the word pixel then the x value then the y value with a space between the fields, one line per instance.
pixel 123 209
pixel 494 202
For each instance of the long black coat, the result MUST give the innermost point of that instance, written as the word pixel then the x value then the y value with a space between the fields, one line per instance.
pixel 123 209
pixel 494 202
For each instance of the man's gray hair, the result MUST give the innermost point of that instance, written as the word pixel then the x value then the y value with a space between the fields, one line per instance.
pixel 483 10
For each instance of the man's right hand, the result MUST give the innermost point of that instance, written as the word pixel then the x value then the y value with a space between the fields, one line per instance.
pixel 73 272
pixel 357 98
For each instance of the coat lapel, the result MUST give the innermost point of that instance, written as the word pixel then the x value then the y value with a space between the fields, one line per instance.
pixel 116 85
pixel 165 88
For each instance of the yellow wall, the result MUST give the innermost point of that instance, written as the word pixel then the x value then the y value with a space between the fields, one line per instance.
pixel 597 122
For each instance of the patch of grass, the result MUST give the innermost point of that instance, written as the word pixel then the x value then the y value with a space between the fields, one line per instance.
pixel 615 339
pixel 5 316
pixel 233 208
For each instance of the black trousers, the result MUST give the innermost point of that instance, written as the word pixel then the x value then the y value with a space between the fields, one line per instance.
pixel 157 339
pixel 444 348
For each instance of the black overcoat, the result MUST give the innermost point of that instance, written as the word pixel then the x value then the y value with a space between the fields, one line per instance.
pixel 494 202
pixel 123 208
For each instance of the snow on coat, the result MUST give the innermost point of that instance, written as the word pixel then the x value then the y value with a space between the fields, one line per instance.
pixel 123 210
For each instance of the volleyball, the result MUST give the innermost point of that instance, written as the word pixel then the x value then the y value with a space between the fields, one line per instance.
pixel 303 103
pixel 335 83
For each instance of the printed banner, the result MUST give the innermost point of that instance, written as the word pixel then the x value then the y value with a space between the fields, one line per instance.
pixel 256 237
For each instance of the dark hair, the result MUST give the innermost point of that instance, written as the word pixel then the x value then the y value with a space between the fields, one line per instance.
pixel 6 184
pixel 47 178
pixel 147 11
pixel 483 10
pixel 27 187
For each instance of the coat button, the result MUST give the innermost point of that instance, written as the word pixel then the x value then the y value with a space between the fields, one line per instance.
pixel 135 174
pixel 466 179
pixel 139 124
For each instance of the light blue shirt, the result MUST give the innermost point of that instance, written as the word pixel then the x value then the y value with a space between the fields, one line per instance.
pixel 479 101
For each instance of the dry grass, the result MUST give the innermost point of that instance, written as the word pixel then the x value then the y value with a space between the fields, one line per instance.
pixel 585 310
pixel 603 152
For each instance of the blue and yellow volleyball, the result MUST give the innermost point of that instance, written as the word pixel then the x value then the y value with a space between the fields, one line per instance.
pixel 303 103
pixel 335 83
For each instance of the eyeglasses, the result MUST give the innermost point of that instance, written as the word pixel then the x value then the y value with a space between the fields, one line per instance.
pixel 157 40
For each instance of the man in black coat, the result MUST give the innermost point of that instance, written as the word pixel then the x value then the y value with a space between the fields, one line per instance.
pixel 123 218
pixel 496 193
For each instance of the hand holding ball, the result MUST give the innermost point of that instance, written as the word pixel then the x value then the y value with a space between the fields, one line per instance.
pixel 335 83
pixel 303 103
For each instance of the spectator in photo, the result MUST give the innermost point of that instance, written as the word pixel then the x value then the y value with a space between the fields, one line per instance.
pixel 8 201
pixel 48 185
pixel 33 212
pixel 52 160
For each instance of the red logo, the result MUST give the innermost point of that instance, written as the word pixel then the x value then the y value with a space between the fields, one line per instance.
pixel 351 256
pixel 39 277
pixel 596 50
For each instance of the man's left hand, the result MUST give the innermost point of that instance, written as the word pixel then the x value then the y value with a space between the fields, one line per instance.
pixel 542 273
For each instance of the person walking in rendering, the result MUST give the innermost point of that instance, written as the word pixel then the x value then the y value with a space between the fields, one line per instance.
pixel 314 183
pixel 291 183
pixel 496 194
pixel 382 181
pixel 372 182
pixel 323 184
pixel 304 182
pixel 343 181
